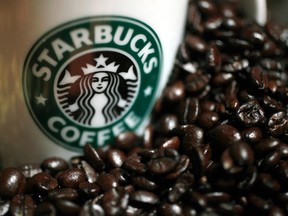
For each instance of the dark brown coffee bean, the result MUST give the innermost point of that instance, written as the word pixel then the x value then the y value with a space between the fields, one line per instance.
pixel 142 197
pixel 46 209
pixel 196 44
pixel 71 178
pixel 89 171
pixel 107 181
pixel 12 182
pixel 259 203
pixel 207 7
pixel 251 114
pixel 268 184
pixel 42 183
pixel 126 140
pixel 213 23
pixel 171 209
pixel 181 167
pixel 91 208
pixel 181 186
pixel 89 189
pixel 191 135
pixel 22 205
pixel 208 119
pixel 235 65
pixel 116 157
pixel 4 206
pixel 224 135
pixel 120 175
pixel 252 134
pixel 278 123
pixel 134 165
pixel 167 123
pixel 143 183
pixel 162 165
pixel 54 165
pixel 197 82
pixel 63 193
pixel 115 201
pixel 267 144
pixel 188 111
pixel 175 92
pixel 270 160
pixel 221 78
pixel 172 143
pixel 93 158
pixel 67 207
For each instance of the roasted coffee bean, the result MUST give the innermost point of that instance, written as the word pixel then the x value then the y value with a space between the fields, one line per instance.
pixel 54 165
pixel 42 183
pixel 63 193
pixel 223 135
pixel 142 197
pixel 278 123
pixel 197 82
pixel 45 208
pixel 171 209
pixel 12 182
pixel 116 157
pixel 190 135
pixel 89 189
pixel 175 92
pixel 207 7
pixel 115 201
pixel 172 143
pixel 270 160
pixel 221 79
pixel 188 111
pixel 167 123
pixel 196 44
pixel 67 207
pixel 268 184
pixel 107 181
pixel 252 135
pixel 90 173
pixel 251 114
pixel 22 205
pixel 126 140
pixel 208 119
pixel 92 157
pixel 4 206
pixel 91 208
pixel 181 186
pixel 134 165
pixel 143 183
pixel 71 178
pixel 164 163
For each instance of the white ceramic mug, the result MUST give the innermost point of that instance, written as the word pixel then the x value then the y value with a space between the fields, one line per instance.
pixel 81 71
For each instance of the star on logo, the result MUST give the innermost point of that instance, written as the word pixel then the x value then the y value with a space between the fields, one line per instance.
pixel 41 100
pixel 101 60
pixel 148 91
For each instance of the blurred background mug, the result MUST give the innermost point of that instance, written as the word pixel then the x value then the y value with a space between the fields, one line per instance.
pixel 75 72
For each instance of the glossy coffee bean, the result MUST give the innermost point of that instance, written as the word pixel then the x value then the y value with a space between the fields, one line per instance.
pixel 12 182
pixel 22 205
pixel 142 197
pixel 71 178
pixel 107 181
pixel 42 183
pixel 54 165
pixel 45 208
pixel 92 157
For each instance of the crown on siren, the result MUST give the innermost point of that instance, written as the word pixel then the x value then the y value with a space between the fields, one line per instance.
pixel 100 66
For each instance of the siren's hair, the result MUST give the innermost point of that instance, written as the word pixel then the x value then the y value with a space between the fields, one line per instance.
pixel 87 92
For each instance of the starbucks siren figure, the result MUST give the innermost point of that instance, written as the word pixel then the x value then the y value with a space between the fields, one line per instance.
pixel 99 101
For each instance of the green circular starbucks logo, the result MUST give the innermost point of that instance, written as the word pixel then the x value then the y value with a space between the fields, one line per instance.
pixel 88 80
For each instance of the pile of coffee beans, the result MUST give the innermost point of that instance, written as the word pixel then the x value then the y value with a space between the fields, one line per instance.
pixel 217 143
